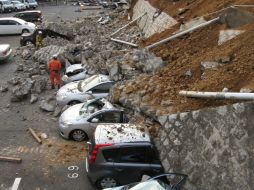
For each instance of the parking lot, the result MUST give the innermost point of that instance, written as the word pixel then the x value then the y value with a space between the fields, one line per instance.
pixel 51 14
pixel 56 164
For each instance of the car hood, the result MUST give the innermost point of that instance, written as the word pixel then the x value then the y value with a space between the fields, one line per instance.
pixel 4 47
pixel 70 88
pixel 74 67
pixel 72 113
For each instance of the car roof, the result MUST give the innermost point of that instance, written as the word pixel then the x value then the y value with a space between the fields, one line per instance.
pixel 12 18
pixel 34 11
pixel 74 67
pixel 121 133
pixel 94 80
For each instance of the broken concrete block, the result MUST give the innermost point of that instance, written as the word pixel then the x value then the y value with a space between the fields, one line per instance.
pixel 209 64
pixel 226 35
pixel 44 105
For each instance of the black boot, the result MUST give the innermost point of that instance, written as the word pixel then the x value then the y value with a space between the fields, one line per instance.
pixel 59 86
pixel 52 86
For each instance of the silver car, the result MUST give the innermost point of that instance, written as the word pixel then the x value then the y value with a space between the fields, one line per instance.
pixel 77 92
pixel 79 121
pixel 75 72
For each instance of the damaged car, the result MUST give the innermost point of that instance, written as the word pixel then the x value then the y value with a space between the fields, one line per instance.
pixel 79 121
pixel 74 72
pixel 97 86
pixel 167 181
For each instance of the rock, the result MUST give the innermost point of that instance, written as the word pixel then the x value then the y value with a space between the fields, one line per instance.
pixel 44 136
pixel 19 92
pixel 226 35
pixel 246 90
pixel 188 73
pixel 225 59
pixel 57 111
pixel 225 90
pixel 209 65
pixel 26 54
pixel 44 105
pixel 3 88
pixel 44 54
pixel 34 98
pixel 20 67
pixel 40 84
pixel 15 81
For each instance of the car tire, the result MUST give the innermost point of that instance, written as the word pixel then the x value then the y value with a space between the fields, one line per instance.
pixel 106 182
pixel 78 135
pixel 25 31
pixel 74 102
pixel 28 42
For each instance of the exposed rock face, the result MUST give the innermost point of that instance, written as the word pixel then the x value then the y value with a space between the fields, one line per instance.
pixel 213 146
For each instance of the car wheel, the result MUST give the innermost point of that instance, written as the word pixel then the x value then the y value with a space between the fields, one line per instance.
pixel 28 42
pixel 25 31
pixel 79 135
pixel 106 182
pixel 74 102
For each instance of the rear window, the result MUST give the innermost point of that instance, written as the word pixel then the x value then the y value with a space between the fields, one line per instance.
pixel 133 155
pixel 110 155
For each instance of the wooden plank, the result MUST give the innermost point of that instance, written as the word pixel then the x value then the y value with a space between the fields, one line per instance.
pixel 35 135
pixel 10 159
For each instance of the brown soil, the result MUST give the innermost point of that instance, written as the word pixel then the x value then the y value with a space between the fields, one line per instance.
pixel 186 53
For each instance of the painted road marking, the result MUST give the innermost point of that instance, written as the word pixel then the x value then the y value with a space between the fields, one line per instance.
pixel 16 183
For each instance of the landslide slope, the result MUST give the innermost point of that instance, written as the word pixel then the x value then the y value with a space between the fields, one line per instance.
pixel 186 54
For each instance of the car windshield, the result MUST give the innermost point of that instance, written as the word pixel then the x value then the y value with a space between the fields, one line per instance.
pixel 91 106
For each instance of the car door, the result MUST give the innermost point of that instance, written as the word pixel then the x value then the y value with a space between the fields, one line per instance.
pixel 3 27
pixel 13 27
pixel 101 90
pixel 132 163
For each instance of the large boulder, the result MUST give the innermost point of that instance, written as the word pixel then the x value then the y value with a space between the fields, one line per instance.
pixel 19 92
pixel 40 84
pixel 44 54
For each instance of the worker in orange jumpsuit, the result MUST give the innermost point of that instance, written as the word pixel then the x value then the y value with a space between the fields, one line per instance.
pixel 54 67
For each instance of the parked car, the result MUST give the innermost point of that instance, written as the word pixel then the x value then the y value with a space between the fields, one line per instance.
pixel 30 4
pixel 74 72
pixel 120 154
pixel 17 5
pixel 6 6
pixel 5 51
pixel 10 25
pixel 30 16
pixel 79 91
pixel 79 121
pixel 30 38
pixel 167 181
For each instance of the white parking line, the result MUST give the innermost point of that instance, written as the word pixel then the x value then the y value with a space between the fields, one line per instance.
pixel 16 184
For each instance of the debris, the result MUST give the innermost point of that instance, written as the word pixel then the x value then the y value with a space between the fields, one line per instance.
pixel 35 135
pixel 4 88
pixel 188 73
pixel 226 35
pixel 19 92
pixel 124 42
pixel 34 98
pixel 10 159
pixel 57 111
pixel 44 105
pixel 209 65
pixel 44 135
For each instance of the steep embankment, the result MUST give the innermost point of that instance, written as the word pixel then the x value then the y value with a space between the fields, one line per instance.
pixel 160 90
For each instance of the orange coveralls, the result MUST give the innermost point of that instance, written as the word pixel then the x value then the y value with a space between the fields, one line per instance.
pixel 54 67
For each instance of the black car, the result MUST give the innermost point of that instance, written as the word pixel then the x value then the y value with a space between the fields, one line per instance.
pixel 30 16
pixel 30 38
pixel 120 154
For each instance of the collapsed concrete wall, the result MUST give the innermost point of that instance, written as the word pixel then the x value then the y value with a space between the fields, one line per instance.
pixel 154 21
pixel 214 146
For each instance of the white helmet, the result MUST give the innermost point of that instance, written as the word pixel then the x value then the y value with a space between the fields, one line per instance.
pixel 54 56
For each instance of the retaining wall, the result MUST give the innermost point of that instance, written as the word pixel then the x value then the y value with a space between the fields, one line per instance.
pixel 150 24
pixel 214 146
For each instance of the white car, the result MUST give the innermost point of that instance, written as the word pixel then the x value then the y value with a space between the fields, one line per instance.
pixel 96 86
pixel 74 72
pixel 5 51
pixel 17 5
pixel 11 25
pixel 5 6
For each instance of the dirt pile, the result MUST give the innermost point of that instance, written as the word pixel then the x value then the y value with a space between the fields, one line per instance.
pixel 183 70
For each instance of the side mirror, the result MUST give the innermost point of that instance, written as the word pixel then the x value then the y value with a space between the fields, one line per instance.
pixel 95 120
